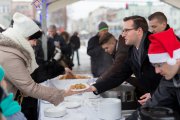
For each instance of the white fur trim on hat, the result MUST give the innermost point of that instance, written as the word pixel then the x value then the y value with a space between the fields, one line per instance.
pixel 171 61
pixel 24 25
pixel 164 57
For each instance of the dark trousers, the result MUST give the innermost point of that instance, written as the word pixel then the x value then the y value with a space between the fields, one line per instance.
pixel 29 108
pixel 77 53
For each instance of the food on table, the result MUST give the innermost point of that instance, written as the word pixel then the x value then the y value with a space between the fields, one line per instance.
pixel 67 76
pixel 71 76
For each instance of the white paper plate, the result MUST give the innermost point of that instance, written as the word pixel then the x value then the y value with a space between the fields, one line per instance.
pixel 71 105
pixel 73 98
pixel 55 112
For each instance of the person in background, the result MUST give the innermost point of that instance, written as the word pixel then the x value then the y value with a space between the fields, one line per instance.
pixel 135 34
pixel 66 38
pixel 19 61
pixel 75 44
pixel 66 57
pixel 100 60
pixel 158 23
pixel 52 41
pixel 9 108
pixel 164 54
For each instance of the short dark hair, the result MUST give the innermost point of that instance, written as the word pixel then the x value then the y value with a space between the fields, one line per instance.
pixel 105 38
pixel 158 15
pixel 52 27
pixel 75 33
pixel 139 22
pixel 66 35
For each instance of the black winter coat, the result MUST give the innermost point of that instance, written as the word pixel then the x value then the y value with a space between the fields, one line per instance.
pixel 75 42
pixel 166 95
pixel 145 73
pixel 100 60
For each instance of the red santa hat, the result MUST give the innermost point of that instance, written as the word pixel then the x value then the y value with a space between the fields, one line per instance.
pixel 164 47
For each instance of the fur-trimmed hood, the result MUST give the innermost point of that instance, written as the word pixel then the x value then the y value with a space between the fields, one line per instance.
pixel 7 42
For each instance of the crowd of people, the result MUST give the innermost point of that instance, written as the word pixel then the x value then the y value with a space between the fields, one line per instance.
pixel 146 55
pixel 150 53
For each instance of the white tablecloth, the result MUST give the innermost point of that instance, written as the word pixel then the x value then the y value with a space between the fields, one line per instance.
pixel 88 108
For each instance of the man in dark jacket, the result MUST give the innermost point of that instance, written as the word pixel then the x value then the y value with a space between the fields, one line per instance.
pixel 119 51
pixel 100 60
pixel 164 54
pixel 135 33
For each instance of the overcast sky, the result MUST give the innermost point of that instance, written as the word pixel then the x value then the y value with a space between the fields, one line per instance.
pixel 81 9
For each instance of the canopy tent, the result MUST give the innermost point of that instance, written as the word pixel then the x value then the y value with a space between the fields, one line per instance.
pixel 175 3
pixel 56 4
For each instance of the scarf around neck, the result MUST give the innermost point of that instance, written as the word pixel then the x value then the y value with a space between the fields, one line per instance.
pixel 16 37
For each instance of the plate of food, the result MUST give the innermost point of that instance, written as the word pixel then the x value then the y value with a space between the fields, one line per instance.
pixel 79 87
pixel 73 76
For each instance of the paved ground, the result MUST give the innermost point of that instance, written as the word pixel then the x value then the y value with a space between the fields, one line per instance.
pixel 84 68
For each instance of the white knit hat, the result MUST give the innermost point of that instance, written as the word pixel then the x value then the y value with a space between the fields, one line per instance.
pixel 24 25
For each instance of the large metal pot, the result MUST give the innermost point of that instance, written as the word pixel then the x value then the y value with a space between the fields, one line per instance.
pixel 125 92
pixel 156 113
pixel 111 94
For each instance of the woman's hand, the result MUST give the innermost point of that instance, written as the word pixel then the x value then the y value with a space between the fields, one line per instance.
pixel 69 92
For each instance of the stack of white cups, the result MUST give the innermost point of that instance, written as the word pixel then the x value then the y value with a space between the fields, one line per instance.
pixel 109 109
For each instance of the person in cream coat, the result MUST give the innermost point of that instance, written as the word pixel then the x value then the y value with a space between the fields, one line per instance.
pixel 19 62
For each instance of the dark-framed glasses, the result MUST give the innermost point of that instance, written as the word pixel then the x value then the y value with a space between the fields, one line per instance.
pixel 125 30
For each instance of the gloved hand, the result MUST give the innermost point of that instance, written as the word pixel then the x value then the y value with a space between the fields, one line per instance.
pixel 57 55
pixel 9 106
